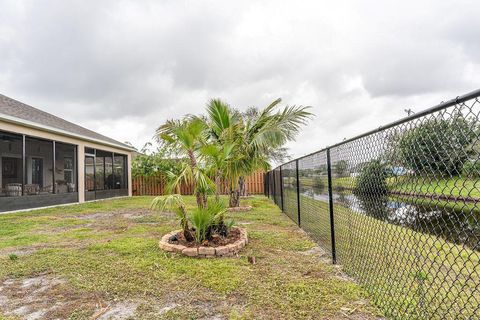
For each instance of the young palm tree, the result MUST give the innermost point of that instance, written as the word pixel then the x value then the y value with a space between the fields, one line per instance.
pixel 216 157
pixel 253 137
pixel 186 138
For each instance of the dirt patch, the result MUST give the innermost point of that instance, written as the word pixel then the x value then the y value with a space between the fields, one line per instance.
pixel 216 240
pixel 240 209
pixel 133 215
pixel 20 252
pixel 315 251
pixel 127 214
pixel 117 311
pixel 42 297
pixel 45 296
pixel 325 257
pixel 318 253
pixel 94 216
pixel 320 274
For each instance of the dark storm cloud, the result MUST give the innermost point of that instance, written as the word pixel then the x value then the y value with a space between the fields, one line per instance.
pixel 124 67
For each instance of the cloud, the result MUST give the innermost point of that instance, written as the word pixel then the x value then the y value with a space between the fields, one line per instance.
pixel 124 67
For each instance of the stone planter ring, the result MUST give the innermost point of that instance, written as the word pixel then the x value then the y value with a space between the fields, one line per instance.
pixel 228 250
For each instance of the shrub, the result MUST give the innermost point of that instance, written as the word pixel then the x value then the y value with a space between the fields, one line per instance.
pixel 438 145
pixel 372 179
pixel 156 163
pixel 319 183
pixel 207 221
pixel 201 223
pixel 340 168
pixel 471 169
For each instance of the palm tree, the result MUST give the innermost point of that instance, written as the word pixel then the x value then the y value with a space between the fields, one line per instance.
pixel 217 156
pixel 252 137
pixel 186 138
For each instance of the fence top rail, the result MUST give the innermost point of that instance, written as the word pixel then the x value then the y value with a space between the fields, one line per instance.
pixel 442 105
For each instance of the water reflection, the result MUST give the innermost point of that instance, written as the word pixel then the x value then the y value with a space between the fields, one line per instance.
pixel 460 226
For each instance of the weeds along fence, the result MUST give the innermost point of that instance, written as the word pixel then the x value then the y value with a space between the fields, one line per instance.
pixel 399 208
pixel 156 185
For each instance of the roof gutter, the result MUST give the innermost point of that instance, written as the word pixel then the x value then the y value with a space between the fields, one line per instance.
pixel 34 125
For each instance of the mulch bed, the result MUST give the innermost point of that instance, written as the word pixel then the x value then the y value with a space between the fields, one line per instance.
pixel 216 241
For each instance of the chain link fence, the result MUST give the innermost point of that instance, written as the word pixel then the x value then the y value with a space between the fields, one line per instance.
pixel 399 208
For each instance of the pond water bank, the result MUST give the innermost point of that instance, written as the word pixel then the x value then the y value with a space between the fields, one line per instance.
pixel 459 224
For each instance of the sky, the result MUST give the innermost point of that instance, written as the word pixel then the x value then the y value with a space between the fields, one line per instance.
pixel 122 68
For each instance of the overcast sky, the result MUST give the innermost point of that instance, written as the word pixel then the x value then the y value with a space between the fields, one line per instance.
pixel 124 67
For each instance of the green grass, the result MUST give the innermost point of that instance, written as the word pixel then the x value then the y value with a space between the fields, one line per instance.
pixel 409 274
pixel 455 186
pixel 106 253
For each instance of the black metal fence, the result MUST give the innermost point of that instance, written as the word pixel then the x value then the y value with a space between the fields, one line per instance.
pixel 399 208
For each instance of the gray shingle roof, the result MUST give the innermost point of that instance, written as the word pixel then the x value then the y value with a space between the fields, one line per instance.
pixel 17 109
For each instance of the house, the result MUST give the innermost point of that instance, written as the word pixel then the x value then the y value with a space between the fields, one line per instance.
pixel 45 160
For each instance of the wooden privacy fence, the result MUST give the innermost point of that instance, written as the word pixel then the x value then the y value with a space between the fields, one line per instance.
pixel 155 185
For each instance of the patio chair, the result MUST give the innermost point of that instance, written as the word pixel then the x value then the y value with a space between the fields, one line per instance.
pixel 32 189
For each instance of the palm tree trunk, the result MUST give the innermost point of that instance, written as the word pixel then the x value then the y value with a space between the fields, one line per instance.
pixel 218 185
pixel 186 230
pixel 234 200
pixel 236 192
pixel 201 199
pixel 242 186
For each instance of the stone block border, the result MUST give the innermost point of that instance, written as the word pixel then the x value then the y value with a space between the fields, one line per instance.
pixel 228 250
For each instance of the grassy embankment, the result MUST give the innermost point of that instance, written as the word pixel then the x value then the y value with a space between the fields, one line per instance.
pixel 406 271
pixel 456 193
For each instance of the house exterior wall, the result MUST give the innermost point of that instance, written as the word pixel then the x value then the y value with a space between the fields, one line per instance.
pixel 81 144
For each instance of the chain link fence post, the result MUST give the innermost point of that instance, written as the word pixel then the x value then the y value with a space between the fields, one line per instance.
pixel 298 190
pixel 330 206
pixel 274 187
pixel 281 189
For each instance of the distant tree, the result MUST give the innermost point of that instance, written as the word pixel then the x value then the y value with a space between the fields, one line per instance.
pixel 319 183
pixel 372 179
pixel 471 169
pixel 158 162
pixel 437 146
pixel 340 168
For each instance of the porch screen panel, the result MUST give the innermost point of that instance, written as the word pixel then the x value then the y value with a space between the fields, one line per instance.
pixel 120 171
pixel 65 168
pixel 11 172
pixel 89 174
pixel 38 167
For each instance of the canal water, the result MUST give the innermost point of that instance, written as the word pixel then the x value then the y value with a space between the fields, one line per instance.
pixel 460 226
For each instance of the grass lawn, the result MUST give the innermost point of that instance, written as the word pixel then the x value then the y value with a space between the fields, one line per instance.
pixel 101 261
